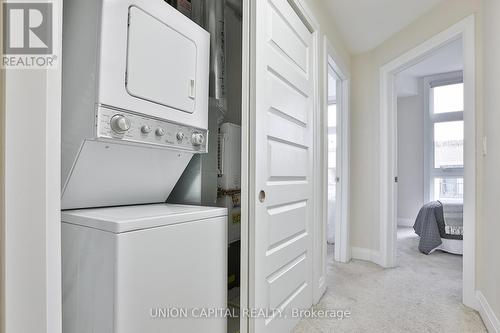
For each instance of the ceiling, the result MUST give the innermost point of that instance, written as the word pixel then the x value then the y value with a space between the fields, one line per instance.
pixel 448 58
pixel 365 24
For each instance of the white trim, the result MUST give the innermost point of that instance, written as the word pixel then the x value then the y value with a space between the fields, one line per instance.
pixel 464 29
pixel 487 314
pixel 53 185
pixel 342 246
pixel 361 253
pixel 33 262
pixel 246 77
pixel 405 222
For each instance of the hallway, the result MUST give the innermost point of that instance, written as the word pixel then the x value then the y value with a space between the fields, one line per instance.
pixel 423 294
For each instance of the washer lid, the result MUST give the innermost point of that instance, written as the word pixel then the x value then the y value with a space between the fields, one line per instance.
pixel 138 217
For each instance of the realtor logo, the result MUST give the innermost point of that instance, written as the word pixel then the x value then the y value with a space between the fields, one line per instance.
pixel 28 35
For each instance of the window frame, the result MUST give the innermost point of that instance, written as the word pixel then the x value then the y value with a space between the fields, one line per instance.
pixel 430 118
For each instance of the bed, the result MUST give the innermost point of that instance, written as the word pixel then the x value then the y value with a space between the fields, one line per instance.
pixel 440 227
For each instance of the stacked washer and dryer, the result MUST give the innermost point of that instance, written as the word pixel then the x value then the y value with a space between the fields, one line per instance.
pixel 135 111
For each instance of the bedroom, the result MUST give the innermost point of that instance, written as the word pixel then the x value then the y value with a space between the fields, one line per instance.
pixel 430 150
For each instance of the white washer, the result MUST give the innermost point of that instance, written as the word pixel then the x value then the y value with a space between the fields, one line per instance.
pixel 124 267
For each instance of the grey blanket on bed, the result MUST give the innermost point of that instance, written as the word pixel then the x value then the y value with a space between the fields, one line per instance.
pixel 427 226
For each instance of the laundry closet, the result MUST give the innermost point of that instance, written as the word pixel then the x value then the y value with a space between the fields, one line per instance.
pixel 151 164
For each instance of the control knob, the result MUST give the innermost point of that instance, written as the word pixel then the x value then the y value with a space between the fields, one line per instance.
pixel 145 129
pixel 120 123
pixel 180 136
pixel 197 139
pixel 160 132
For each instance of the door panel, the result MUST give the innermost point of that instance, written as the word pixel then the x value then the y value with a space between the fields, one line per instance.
pixel 287 99
pixel 287 41
pixel 281 247
pixel 286 221
pixel 286 161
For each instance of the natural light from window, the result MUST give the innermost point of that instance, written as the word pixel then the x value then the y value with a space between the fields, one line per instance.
pixel 449 189
pixel 446 177
pixel 332 142
pixel 332 115
pixel 449 98
pixel 449 144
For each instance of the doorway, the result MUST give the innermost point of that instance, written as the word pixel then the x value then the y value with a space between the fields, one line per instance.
pixel 463 30
pixel 430 140
pixel 334 158
pixel 336 165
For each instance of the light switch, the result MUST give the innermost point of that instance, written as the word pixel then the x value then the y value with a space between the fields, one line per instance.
pixel 485 146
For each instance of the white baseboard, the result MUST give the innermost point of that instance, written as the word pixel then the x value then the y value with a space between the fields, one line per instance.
pixel 404 222
pixel 489 318
pixel 366 254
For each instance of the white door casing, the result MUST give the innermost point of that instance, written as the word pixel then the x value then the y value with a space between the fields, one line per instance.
pixel 333 63
pixel 464 29
pixel 281 189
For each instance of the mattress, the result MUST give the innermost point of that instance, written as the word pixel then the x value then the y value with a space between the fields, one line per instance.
pixel 453 216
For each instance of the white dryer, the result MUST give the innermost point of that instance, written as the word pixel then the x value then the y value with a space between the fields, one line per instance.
pixel 135 100
pixel 144 268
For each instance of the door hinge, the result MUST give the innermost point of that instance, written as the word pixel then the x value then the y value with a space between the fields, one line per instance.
pixel 396 179
pixel 337 179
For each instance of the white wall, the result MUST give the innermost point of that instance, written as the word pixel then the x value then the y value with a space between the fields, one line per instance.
pixel 410 156
pixel 326 29
pixel 32 260
pixel 488 269
pixel 364 145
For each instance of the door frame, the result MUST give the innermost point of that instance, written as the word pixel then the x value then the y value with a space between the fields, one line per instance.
pixel 247 67
pixel 464 29
pixel 38 251
pixel 342 241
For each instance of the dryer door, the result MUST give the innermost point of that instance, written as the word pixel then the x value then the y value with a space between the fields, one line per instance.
pixel 153 61
pixel 161 63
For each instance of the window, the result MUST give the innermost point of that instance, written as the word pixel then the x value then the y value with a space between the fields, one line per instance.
pixel 444 124
pixel 448 98
pixel 449 144
pixel 448 189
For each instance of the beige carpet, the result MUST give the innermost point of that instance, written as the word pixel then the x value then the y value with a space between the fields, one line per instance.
pixel 422 294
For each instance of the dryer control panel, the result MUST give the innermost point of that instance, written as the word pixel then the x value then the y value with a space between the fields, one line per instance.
pixel 127 126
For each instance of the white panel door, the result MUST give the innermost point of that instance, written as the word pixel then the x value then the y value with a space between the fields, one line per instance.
pixel 281 191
